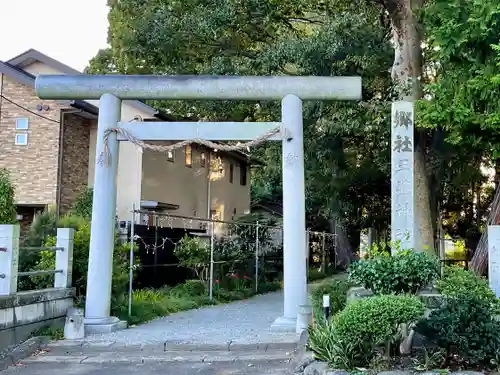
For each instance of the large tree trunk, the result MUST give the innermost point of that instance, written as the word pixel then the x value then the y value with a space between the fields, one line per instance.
pixel 406 75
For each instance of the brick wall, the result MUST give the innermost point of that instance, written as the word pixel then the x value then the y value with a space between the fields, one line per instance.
pixel 75 161
pixel 33 167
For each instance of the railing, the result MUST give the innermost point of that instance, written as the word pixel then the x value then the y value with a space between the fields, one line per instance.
pixel 9 259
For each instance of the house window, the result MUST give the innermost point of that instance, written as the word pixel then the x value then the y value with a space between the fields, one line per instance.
pixel 22 123
pixel 21 139
pixel 189 156
pixel 231 173
pixel 203 160
pixel 243 174
pixel 170 156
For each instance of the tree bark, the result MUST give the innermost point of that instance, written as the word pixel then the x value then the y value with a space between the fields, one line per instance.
pixel 406 76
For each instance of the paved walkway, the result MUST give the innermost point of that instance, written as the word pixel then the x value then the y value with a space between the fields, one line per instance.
pixel 243 322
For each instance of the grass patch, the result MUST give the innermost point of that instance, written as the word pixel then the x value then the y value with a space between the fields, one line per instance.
pixel 53 333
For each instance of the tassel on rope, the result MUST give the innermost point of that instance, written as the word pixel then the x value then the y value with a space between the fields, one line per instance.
pixel 105 156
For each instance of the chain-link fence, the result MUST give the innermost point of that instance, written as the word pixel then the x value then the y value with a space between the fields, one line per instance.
pixel 170 249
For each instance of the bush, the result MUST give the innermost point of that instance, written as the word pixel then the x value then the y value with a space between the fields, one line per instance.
pixel 268 286
pixel 376 320
pixel 458 282
pixel 194 254
pixel 81 246
pixel 7 199
pixel 83 204
pixel 465 327
pixel 405 272
pixel 43 225
pixel 190 288
pixel 336 289
pixel 315 274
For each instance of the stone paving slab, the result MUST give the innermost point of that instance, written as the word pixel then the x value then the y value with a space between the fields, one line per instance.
pixel 143 357
pixel 153 368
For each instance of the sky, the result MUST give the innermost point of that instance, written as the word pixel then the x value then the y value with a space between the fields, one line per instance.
pixel 71 31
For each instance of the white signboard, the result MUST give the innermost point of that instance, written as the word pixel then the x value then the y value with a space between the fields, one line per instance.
pixel 402 175
pixel 494 258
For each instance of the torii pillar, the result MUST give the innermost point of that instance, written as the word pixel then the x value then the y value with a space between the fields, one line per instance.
pixel 112 89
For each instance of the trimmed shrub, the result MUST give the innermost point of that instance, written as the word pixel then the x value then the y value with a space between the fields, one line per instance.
pixel 405 272
pixel 376 320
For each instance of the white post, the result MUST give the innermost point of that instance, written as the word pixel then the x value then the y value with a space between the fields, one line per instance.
pixel 494 258
pixel 131 261
pixel 64 258
pixel 257 257
pixel 9 257
pixel 102 237
pixel 403 176
pixel 211 272
pixel 294 217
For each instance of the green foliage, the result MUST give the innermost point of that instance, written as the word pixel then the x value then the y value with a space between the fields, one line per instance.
pixel 268 286
pixel 53 333
pixel 465 327
pixel 43 225
pixel 191 287
pixel 347 159
pixel 405 272
pixel 81 245
pixel 336 289
pixel 376 320
pixel 314 274
pixel 194 253
pixel 337 351
pixel 83 205
pixel 431 359
pixel 7 199
pixel 379 249
pixel 458 282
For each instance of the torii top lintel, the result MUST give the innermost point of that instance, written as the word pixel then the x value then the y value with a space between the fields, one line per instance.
pixel 143 87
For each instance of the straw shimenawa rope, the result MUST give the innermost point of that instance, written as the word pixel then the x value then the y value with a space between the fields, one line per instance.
pixel 105 157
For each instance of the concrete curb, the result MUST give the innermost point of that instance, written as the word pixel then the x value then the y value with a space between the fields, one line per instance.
pixel 22 351
pixel 166 346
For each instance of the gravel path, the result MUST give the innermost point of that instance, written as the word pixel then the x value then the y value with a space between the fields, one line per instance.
pixel 246 321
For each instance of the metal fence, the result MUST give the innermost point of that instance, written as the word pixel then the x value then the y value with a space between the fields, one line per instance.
pixel 222 254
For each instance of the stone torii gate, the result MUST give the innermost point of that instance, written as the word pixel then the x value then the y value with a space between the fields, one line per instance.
pixel 112 89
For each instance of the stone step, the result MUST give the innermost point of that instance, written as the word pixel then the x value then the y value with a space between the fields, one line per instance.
pixel 148 356
pixel 82 346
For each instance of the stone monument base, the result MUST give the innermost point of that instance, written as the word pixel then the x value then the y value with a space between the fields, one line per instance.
pixel 108 325
pixel 429 296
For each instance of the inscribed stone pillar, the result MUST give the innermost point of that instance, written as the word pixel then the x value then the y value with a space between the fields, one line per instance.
pixel 402 175
pixel 494 258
